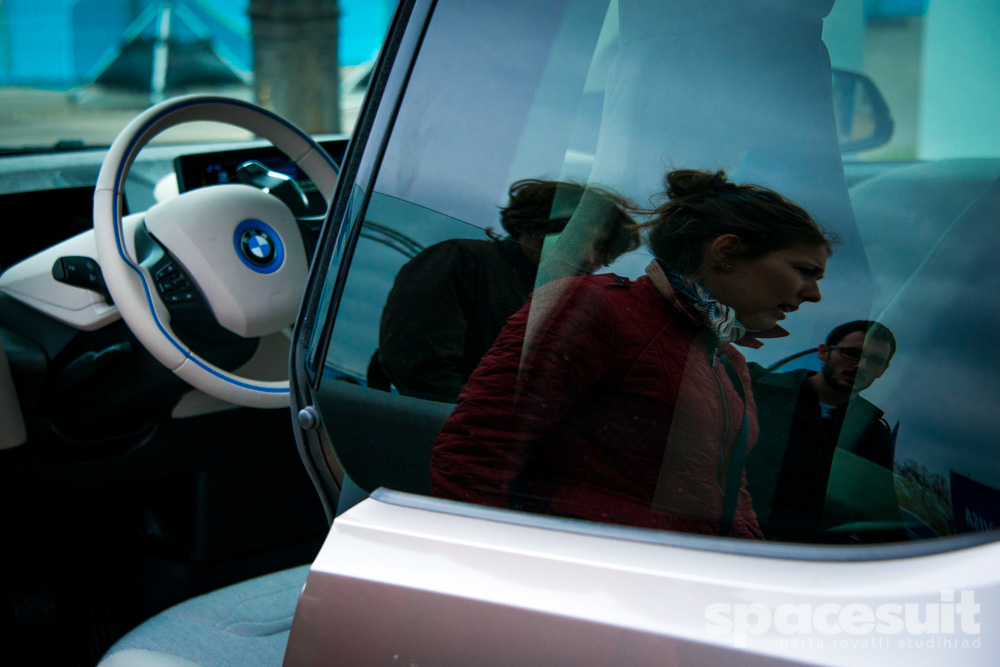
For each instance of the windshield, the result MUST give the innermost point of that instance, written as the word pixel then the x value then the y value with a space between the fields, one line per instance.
pixel 73 73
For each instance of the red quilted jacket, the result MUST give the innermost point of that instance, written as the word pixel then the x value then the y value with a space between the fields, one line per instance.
pixel 608 410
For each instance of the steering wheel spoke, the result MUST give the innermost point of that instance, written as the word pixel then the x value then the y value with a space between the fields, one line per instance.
pixel 310 227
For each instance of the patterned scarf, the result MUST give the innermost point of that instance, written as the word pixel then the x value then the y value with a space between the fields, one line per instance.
pixel 695 299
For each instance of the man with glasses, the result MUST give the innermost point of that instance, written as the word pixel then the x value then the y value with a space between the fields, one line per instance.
pixel 805 418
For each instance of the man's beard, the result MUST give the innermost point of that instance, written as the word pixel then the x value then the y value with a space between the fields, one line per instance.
pixel 829 376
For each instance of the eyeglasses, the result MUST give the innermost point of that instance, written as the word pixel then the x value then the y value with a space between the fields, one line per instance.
pixel 857 354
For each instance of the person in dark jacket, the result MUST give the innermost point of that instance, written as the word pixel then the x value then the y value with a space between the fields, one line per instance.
pixel 448 303
pixel 625 401
pixel 805 417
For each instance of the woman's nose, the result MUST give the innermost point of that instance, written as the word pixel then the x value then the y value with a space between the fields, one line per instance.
pixel 811 292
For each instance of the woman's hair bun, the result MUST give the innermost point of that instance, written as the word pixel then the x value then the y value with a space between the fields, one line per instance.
pixel 703 205
pixel 687 182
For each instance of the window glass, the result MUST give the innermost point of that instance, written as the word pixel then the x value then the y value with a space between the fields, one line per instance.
pixel 922 203
pixel 526 143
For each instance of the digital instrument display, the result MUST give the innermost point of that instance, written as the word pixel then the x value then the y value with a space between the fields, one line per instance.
pixel 197 170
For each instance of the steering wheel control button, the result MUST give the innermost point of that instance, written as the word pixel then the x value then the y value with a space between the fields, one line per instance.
pixel 179 297
pixel 173 285
pixel 166 271
pixel 258 246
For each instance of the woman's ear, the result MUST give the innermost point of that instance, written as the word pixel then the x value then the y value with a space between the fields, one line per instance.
pixel 723 250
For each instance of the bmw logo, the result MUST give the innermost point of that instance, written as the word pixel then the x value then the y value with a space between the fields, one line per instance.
pixel 258 246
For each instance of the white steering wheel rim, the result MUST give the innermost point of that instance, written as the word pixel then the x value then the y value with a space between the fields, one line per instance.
pixel 130 283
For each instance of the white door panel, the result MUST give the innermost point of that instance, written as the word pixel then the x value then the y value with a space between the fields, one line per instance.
pixel 437 588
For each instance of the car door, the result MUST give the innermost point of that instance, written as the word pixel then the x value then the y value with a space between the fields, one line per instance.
pixel 469 101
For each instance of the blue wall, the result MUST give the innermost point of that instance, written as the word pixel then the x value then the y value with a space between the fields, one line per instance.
pixel 37 43
pixel 362 26
pixel 57 43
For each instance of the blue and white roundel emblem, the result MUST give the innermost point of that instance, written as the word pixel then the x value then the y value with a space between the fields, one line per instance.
pixel 258 246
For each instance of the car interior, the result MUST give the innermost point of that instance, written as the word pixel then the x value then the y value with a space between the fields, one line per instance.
pixel 158 492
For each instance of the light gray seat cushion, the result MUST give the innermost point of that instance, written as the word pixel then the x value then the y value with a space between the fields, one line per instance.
pixel 245 624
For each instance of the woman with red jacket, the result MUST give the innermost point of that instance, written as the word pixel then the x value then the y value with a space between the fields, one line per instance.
pixel 625 401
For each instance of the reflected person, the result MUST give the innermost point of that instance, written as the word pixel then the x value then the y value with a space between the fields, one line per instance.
pixel 805 416
pixel 625 401
pixel 448 303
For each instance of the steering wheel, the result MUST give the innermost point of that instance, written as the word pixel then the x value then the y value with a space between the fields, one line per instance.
pixel 232 248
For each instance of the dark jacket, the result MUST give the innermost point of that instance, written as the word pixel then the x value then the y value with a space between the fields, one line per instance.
pixel 444 311
pixel 611 410
pixel 789 469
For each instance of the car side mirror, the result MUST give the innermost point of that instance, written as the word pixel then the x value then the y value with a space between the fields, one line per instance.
pixel 863 120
